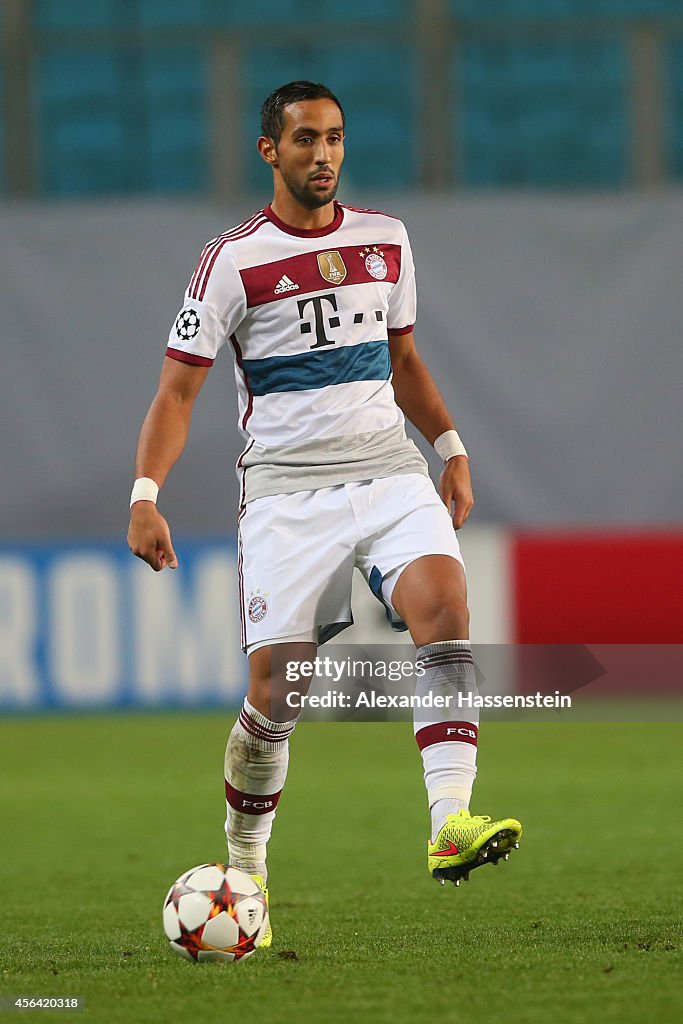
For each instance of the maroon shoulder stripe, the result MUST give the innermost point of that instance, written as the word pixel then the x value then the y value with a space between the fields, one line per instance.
pixel 244 229
pixel 201 287
pixel 210 247
pixel 305 271
pixel 360 209
pixel 217 244
pixel 244 225
pixel 200 263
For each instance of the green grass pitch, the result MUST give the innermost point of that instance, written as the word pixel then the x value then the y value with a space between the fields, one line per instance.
pixel 100 814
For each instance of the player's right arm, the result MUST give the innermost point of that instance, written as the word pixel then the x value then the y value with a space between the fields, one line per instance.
pixel 162 439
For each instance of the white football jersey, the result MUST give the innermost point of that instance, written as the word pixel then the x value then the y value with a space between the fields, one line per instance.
pixel 308 315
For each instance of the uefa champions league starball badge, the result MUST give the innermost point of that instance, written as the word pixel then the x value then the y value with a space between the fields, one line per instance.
pixel 187 324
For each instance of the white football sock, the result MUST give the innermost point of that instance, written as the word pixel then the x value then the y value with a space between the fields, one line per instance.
pixel 256 759
pixel 447 737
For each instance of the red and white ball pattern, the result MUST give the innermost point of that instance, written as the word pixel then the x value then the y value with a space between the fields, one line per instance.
pixel 215 912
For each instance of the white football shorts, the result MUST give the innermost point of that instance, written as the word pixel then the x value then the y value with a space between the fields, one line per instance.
pixel 297 553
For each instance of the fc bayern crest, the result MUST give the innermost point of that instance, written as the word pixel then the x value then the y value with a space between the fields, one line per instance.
pixel 375 263
pixel 258 608
pixel 187 324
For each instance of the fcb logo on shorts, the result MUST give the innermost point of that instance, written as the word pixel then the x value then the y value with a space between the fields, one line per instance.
pixel 331 266
pixel 258 608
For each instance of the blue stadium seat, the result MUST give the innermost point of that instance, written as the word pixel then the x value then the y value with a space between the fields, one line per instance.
pixel 76 14
pixel 545 113
pixel 172 14
pixel 113 122
pixel 173 85
pixel 83 138
pixel 308 12
pixel 93 14
pixel 3 182
pixel 508 11
pixel 537 110
pixel 674 107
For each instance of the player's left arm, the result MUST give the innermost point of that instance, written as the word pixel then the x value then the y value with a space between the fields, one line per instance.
pixel 420 400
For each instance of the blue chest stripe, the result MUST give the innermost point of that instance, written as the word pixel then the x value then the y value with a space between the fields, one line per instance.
pixel 307 371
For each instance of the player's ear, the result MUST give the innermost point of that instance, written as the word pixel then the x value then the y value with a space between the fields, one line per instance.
pixel 268 150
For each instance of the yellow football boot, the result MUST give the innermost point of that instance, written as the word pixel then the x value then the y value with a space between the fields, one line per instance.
pixel 267 939
pixel 466 841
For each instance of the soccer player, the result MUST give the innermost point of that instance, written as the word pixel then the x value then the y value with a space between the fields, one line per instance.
pixel 317 302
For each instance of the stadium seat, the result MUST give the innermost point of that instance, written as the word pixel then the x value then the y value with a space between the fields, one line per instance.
pixel 546 113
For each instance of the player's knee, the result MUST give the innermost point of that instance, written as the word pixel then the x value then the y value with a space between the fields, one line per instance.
pixel 452 620
pixel 446 617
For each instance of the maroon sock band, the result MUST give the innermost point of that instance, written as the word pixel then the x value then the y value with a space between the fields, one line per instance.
pixel 443 732
pixel 251 803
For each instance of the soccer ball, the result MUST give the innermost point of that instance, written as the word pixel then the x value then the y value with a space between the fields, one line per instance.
pixel 214 912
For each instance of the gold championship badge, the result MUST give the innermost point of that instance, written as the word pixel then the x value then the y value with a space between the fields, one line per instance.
pixel 331 266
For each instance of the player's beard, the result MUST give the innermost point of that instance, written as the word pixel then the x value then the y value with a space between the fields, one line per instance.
pixel 305 196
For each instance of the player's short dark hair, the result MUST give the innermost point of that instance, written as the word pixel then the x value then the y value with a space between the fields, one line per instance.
pixel 273 109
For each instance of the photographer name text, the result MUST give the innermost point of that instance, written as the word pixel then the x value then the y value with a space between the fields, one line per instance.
pixel 453 701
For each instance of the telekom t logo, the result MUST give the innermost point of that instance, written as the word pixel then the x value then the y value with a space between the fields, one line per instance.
pixel 319 318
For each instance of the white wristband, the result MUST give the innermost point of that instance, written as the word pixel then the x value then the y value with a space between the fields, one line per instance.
pixel 144 489
pixel 449 444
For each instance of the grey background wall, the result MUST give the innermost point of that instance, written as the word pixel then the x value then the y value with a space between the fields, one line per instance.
pixel 552 325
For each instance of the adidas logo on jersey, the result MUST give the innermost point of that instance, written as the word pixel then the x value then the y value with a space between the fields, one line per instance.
pixel 285 284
